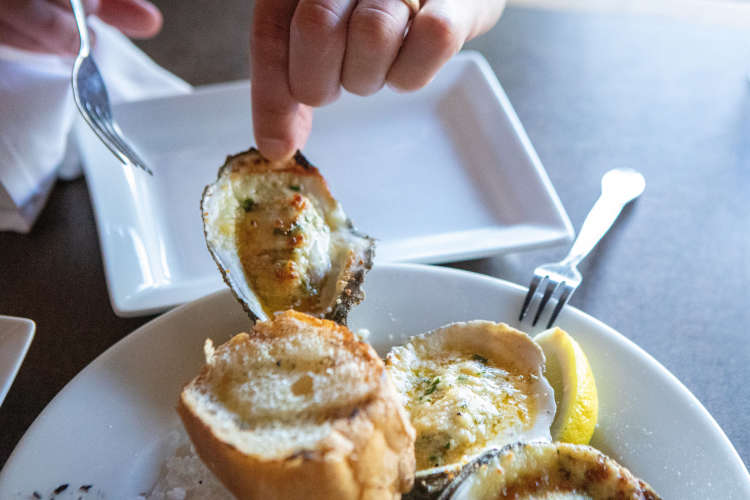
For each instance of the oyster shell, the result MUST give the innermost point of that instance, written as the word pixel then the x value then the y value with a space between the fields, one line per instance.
pixel 469 387
pixel 280 239
pixel 528 471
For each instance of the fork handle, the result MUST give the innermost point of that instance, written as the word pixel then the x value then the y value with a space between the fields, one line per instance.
pixel 83 32
pixel 601 217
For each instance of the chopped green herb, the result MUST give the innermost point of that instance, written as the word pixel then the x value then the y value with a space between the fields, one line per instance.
pixel 294 187
pixel 433 459
pixel 432 387
pixel 248 204
pixel 462 379
pixel 481 359
pixel 447 446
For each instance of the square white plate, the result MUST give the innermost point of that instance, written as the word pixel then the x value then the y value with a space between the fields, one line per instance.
pixel 15 338
pixel 445 173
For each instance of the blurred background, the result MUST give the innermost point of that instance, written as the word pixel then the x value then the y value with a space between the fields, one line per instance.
pixel 208 42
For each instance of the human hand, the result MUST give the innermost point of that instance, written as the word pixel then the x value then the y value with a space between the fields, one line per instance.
pixel 304 51
pixel 49 26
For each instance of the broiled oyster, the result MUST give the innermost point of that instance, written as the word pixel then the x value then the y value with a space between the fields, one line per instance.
pixel 469 387
pixel 280 239
pixel 546 471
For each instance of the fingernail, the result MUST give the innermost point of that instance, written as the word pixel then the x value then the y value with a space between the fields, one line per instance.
pixel 275 149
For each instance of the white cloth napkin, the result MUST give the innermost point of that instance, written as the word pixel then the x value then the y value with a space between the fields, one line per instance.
pixel 37 112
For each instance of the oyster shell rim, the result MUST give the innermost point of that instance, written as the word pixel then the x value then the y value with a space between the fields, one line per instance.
pixel 351 294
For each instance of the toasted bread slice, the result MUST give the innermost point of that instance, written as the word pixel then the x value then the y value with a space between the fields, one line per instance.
pixel 299 408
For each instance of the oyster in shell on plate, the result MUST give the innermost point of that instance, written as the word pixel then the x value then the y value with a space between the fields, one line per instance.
pixel 280 239
pixel 469 387
pixel 546 471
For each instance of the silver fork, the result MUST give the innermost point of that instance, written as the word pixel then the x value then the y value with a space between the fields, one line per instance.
pixel 92 99
pixel 619 187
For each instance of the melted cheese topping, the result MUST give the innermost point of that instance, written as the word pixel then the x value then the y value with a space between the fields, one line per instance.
pixel 551 471
pixel 459 402
pixel 283 240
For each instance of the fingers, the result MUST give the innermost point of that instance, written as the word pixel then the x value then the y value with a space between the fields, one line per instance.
pixel 135 18
pixel 280 122
pixel 304 50
pixel 438 32
pixel 89 6
pixel 49 25
pixel 14 38
pixel 316 49
pixel 376 32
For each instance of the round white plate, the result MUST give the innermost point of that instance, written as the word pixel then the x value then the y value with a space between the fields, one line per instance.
pixel 108 427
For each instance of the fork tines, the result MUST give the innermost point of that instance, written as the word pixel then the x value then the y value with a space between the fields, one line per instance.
pixel 551 289
pixel 101 122
pixel 91 97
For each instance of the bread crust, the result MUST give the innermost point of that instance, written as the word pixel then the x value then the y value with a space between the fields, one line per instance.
pixel 368 454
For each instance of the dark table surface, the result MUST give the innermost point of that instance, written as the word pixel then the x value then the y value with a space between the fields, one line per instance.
pixel 594 91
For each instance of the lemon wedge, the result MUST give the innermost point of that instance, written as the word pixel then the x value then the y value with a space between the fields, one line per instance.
pixel 569 373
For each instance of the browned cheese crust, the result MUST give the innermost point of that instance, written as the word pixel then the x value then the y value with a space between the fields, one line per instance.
pixel 534 470
pixel 269 233
pixel 279 224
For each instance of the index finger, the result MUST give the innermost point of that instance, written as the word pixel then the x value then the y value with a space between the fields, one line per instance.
pixel 135 18
pixel 281 123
